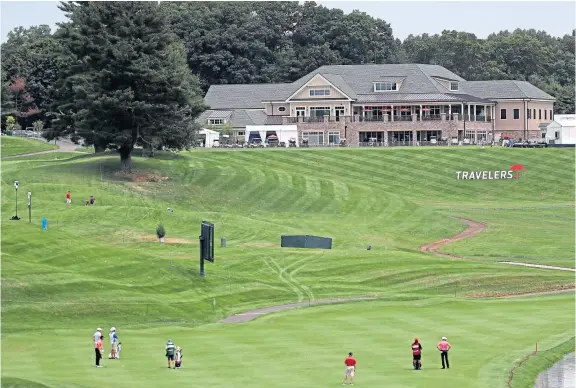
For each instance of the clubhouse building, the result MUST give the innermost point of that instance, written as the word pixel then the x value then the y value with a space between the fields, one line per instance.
pixel 388 104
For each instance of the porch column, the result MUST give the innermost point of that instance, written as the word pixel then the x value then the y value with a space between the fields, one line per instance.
pixel 420 113
pixel 475 112
pixel 450 110
pixel 485 112
pixel 462 111
pixel 392 113
pixel 468 112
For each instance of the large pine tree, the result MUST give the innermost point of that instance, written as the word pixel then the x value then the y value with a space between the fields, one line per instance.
pixel 129 84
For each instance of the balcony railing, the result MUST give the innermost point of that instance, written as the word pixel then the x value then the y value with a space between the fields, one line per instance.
pixel 387 118
pixel 431 117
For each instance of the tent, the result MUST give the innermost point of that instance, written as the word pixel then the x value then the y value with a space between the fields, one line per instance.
pixel 284 132
pixel 211 136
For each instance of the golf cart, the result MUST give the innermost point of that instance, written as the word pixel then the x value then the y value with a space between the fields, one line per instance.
pixel 273 141
pixel 292 142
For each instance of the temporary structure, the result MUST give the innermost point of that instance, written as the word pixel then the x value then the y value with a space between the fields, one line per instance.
pixel 211 137
pixel 284 132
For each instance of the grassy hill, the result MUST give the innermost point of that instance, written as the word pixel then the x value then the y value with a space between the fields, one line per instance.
pixel 101 266
pixel 19 145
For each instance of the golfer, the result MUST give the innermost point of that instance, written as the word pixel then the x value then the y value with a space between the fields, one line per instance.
pixel 170 349
pixel 417 354
pixel 350 363
pixel 68 198
pixel 444 346
pixel 98 349
pixel 97 335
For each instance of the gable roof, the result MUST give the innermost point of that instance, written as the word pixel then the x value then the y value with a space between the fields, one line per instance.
pixel 356 81
pixel 566 120
pixel 504 89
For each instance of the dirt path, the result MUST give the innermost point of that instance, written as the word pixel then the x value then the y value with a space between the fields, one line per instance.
pixel 253 314
pixel 474 227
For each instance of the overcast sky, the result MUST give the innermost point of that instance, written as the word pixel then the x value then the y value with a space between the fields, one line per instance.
pixel 406 17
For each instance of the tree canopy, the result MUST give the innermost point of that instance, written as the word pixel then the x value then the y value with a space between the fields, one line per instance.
pixel 129 82
pixel 119 74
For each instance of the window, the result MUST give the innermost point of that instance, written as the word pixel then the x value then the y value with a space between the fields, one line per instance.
pixel 334 137
pixel 385 86
pixel 300 111
pixel 281 109
pixel 557 135
pixel 216 121
pixel 319 92
pixel 502 114
pixel 454 86
pixel 539 114
pixel 516 114
pixel 534 113
pixel 481 135
pixel 545 114
pixel 551 115
pixel 314 138
pixel 316 111
pixel 528 114
pixel 543 135
pixel 241 133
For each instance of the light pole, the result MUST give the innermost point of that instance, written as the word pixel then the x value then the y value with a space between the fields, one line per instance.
pixel 16 185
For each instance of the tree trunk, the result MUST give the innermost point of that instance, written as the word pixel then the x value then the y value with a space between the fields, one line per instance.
pixel 126 157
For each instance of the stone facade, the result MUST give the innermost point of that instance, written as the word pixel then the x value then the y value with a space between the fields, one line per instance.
pixel 350 129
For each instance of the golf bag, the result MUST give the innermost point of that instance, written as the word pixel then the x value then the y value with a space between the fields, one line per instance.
pixel 118 350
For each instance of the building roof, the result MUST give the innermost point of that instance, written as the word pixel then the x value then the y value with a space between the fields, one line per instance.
pixel 239 118
pixel 243 103
pixel 244 96
pixel 566 120
pixel 504 89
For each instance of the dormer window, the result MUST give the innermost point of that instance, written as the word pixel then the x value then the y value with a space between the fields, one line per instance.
pixel 215 121
pixel 319 92
pixel 385 86
pixel 454 86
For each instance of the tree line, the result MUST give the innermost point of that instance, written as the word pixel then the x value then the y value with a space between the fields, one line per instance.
pixel 120 74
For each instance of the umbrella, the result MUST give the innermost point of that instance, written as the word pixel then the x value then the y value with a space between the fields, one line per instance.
pixel 517 168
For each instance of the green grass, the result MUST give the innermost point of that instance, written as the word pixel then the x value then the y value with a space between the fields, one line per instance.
pixel 525 375
pixel 18 145
pixel 100 266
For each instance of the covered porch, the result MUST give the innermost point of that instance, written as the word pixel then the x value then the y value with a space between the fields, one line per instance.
pixel 423 112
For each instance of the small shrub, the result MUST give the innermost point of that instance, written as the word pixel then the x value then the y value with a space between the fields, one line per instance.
pixel 160 231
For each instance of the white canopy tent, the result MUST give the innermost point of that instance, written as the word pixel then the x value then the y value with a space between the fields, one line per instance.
pixel 211 137
pixel 284 132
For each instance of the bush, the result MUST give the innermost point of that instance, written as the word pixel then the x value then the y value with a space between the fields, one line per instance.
pixel 160 231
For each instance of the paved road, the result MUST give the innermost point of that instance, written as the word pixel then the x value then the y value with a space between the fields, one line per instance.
pixel 560 375
pixel 63 146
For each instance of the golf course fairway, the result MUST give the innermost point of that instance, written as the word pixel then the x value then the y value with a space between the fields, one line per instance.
pixel 102 266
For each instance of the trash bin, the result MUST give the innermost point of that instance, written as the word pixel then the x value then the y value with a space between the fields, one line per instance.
pixel 223 242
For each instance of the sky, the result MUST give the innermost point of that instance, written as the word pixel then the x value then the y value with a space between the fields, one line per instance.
pixel 406 17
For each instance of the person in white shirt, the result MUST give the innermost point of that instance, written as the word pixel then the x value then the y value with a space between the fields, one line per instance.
pixel 97 335
pixel 113 344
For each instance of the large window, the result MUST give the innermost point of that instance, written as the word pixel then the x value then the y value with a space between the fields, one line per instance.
pixel 539 114
pixel 300 111
pixel 215 121
pixel 385 86
pixel 314 138
pixel 528 114
pixel 545 114
pixel 534 113
pixel 316 111
pixel 551 115
pixel 333 137
pixel 454 86
pixel 503 114
pixel 516 114
pixel 481 135
pixel 319 92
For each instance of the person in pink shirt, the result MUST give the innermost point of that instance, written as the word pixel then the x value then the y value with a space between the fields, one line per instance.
pixel 444 346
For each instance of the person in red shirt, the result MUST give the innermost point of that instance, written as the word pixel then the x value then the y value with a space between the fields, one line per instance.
pixel 417 354
pixel 350 363
pixel 68 198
